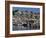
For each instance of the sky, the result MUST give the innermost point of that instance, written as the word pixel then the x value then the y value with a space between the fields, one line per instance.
pixel 34 10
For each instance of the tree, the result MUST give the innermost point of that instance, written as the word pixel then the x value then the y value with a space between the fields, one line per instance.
pixel 14 12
